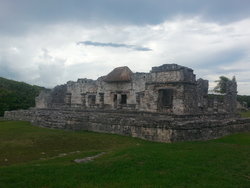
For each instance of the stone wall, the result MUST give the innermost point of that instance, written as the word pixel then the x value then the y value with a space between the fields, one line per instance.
pixel 169 88
pixel 44 99
pixel 145 125
pixel 202 95
pixel 230 100
pixel 157 106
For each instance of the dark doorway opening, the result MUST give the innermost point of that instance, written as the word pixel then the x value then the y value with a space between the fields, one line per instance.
pixel 123 99
pixel 91 100
pixel 101 97
pixel 165 98
pixel 115 97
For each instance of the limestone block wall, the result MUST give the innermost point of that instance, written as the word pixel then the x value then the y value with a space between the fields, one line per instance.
pixel 145 125
pixel 190 99
pixel 169 88
pixel 44 99
pixel 76 89
pixel 202 94
pixel 172 73
pixel 172 76
pixel 230 99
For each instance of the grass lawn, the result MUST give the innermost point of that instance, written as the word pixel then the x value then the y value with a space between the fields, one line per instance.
pixel 245 114
pixel 39 157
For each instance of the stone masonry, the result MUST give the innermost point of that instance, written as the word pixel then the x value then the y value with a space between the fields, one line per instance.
pixel 146 125
pixel 169 88
pixel 167 104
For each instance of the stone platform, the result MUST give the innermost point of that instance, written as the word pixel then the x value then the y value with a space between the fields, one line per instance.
pixel 158 127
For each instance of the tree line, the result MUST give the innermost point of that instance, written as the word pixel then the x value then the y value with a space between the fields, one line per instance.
pixel 17 95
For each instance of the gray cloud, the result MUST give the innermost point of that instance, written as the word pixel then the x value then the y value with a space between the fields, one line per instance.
pixel 23 14
pixel 7 71
pixel 221 63
pixel 209 36
pixel 51 70
pixel 115 45
pixel 222 59
pixel 12 66
pixel 94 70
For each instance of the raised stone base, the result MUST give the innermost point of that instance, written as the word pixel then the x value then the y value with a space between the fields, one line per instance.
pixel 145 125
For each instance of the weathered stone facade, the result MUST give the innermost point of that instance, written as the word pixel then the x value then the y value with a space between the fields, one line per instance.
pixel 167 104
pixel 169 88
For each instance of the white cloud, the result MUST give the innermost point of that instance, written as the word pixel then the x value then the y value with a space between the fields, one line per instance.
pixel 50 55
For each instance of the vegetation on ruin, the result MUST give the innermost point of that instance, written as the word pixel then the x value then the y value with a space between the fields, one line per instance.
pixel 32 156
pixel 16 95
pixel 222 84
pixel 244 98
pixel 220 88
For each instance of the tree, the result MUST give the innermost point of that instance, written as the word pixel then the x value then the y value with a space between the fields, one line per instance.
pixel 221 84
pixel 16 95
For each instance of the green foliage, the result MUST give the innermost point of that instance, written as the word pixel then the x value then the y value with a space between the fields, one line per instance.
pixel 16 95
pixel 244 98
pixel 128 162
pixel 221 84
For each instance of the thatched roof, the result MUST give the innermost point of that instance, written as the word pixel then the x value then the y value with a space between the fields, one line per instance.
pixel 119 74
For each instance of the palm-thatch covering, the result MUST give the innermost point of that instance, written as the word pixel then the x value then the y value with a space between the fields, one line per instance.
pixel 119 74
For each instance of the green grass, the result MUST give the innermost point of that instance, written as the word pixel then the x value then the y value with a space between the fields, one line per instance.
pixel 245 114
pixel 33 161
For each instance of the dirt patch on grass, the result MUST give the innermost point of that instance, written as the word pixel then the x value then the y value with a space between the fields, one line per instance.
pixel 88 159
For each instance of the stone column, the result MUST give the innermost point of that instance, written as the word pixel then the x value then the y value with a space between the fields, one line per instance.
pixel 68 99
pixel 83 99
pixel 119 98
pixel 230 100
pixel 101 99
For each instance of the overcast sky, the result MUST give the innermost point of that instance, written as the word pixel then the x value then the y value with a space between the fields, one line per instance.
pixel 49 42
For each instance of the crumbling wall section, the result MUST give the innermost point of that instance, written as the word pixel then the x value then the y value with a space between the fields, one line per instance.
pixel 230 99
pixel 52 98
pixel 226 102
pixel 202 94
pixel 80 93
pixel 44 99
pixel 190 99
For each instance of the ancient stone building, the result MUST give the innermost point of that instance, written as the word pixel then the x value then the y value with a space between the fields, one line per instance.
pixel 167 104
pixel 169 88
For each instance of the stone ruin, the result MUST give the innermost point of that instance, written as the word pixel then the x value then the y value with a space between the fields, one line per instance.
pixel 169 88
pixel 167 104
